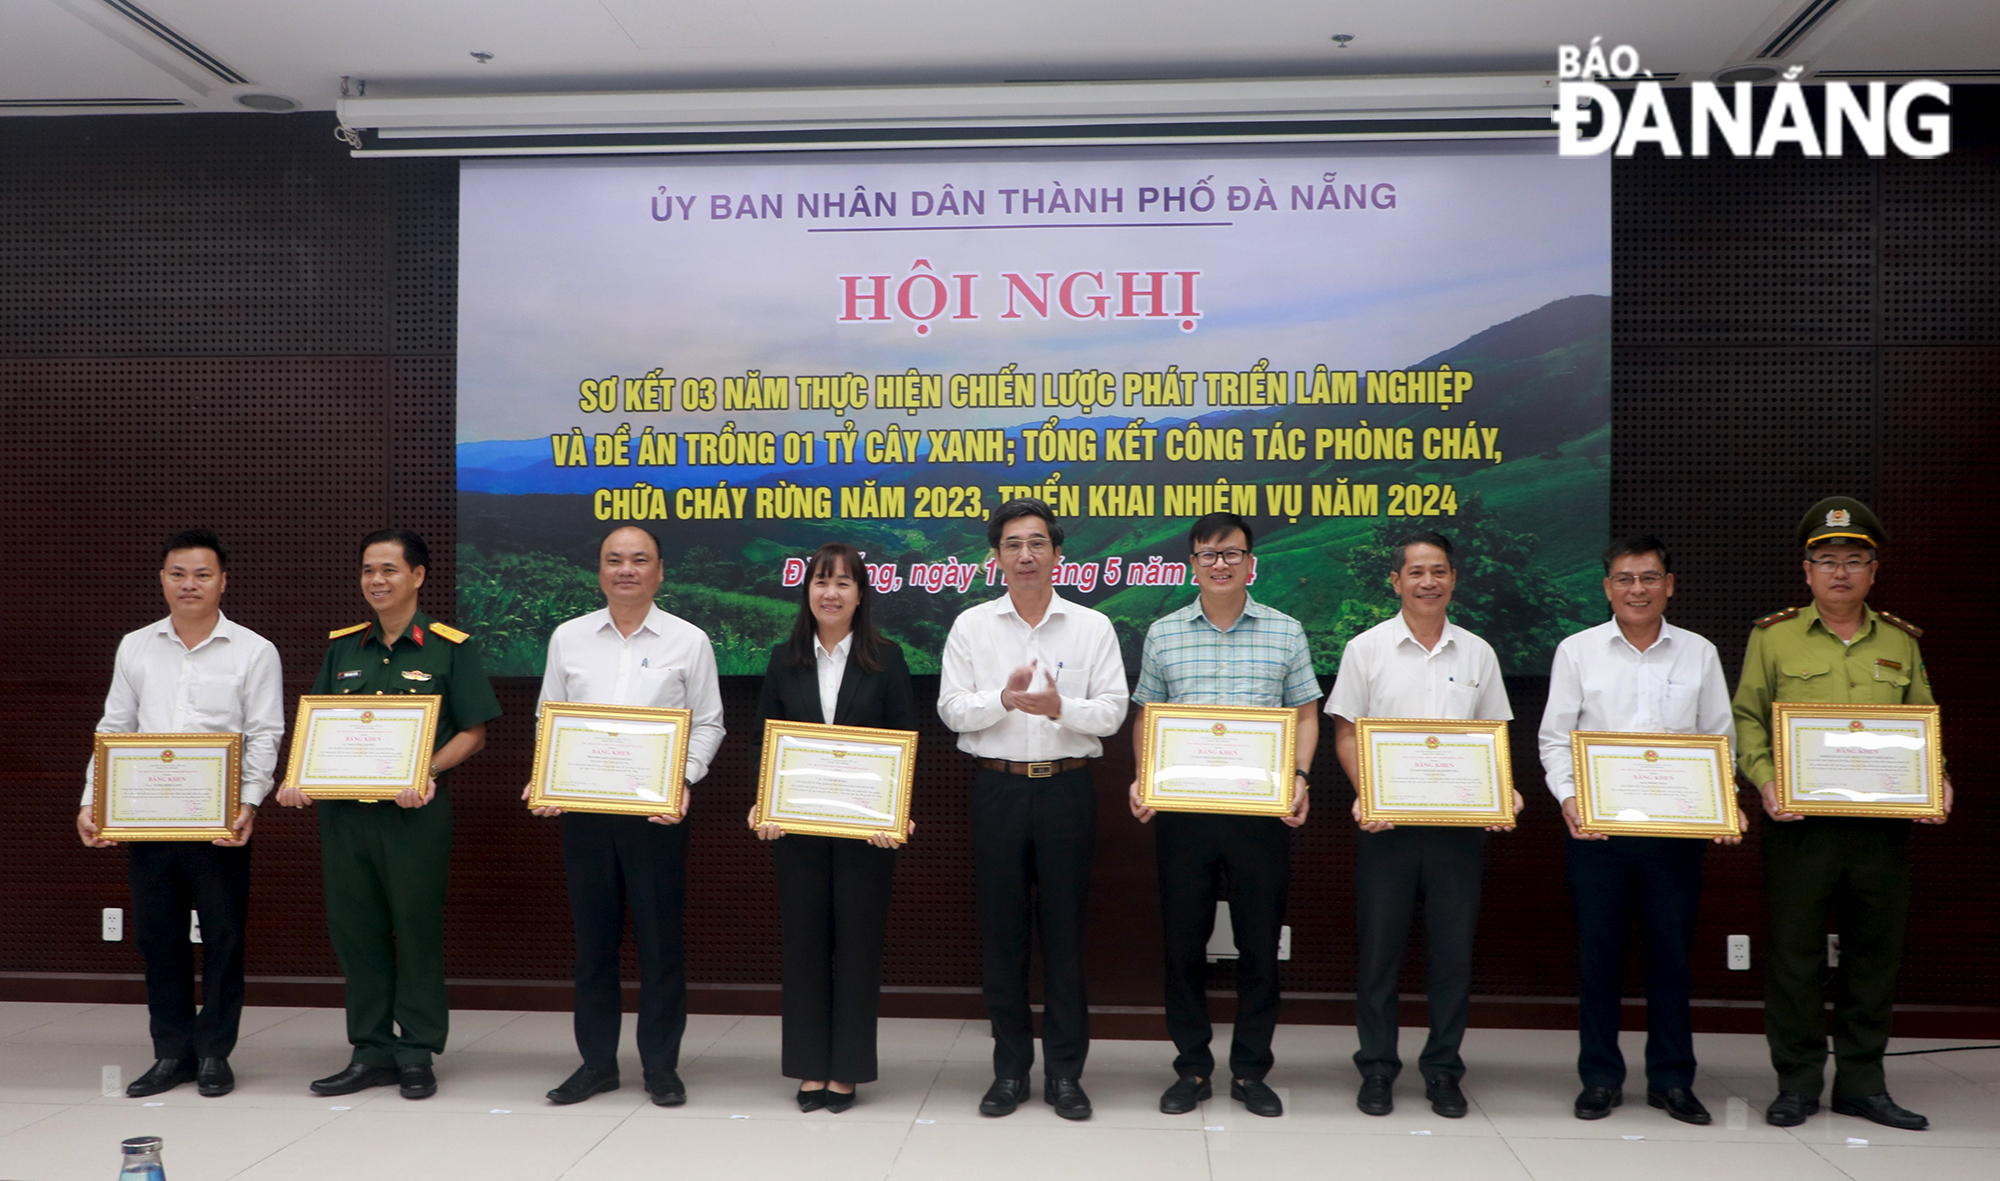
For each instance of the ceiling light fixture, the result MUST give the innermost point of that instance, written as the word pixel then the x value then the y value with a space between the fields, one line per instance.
pixel 276 104
pixel 1343 38
pixel 1746 73
pixel 481 58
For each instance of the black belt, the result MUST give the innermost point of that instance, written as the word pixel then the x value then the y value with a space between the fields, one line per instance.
pixel 1033 770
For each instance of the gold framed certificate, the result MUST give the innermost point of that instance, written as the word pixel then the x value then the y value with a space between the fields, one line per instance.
pixel 836 781
pixel 630 760
pixel 1218 758
pixel 1432 771
pixel 1655 785
pixel 350 747
pixel 167 787
pixel 1858 760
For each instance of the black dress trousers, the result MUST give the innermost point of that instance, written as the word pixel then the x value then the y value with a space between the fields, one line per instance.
pixel 833 896
pixel 167 879
pixel 1659 880
pixel 1197 853
pixel 616 863
pixel 1032 841
pixel 1393 870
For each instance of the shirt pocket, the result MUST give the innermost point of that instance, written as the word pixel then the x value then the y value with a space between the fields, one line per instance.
pixel 1678 707
pixel 1461 701
pixel 664 687
pixel 216 701
pixel 1072 682
pixel 1801 679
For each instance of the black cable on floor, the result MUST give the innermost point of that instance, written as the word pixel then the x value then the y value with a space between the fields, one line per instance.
pixel 1939 1050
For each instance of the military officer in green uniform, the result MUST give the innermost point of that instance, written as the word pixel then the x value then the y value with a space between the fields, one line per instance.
pixel 385 863
pixel 1839 650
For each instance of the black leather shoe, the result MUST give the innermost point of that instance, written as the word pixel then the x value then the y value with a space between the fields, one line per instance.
pixel 1882 1110
pixel 1597 1102
pixel 1789 1110
pixel 1067 1097
pixel 1186 1092
pixel 839 1101
pixel 1378 1095
pixel 416 1082
pixel 213 1078
pixel 1680 1103
pixel 358 1076
pixel 1446 1099
pixel 165 1075
pixel 587 1081
pixel 1256 1098
pixel 666 1088
pixel 812 1100
pixel 1004 1096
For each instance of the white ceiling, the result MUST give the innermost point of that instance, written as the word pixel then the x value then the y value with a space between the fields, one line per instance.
pixel 56 54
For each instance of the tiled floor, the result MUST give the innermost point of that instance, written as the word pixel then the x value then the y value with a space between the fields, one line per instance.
pixel 490 1122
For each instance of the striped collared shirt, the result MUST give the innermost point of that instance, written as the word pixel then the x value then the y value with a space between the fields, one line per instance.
pixel 1263 660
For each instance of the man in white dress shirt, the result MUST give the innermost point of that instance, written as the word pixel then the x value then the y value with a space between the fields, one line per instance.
pixel 631 653
pixel 195 671
pixel 1636 674
pixel 1031 683
pixel 1416 665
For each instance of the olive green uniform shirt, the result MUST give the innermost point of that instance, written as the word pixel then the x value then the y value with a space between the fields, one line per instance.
pixel 426 658
pixel 1793 657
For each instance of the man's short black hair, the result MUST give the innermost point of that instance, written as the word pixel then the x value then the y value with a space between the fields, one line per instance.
pixel 1632 547
pixel 415 552
pixel 1216 526
pixel 659 549
pixel 1014 510
pixel 196 539
pixel 1420 537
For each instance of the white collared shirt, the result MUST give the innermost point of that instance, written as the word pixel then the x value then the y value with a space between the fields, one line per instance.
pixel 1386 673
pixel 1074 643
pixel 230 683
pixel 666 662
pixel 832 668
pixel 1599 681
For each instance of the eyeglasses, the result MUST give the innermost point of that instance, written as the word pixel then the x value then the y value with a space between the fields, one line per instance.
pixel 1834 566
pixel 1649 579
pixel 1034 545
pixel 1228 557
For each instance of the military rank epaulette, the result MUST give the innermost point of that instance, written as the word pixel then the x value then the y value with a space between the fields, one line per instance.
pixel 1905 624
pixel 338 632
pixel 1778 616
pixel 449 632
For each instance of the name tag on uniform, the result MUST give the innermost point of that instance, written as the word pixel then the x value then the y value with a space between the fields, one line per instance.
pixel 415 674
pixel 352 672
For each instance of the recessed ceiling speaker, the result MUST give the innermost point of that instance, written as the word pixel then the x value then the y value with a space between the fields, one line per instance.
pixel 274 103
pixel 1746 73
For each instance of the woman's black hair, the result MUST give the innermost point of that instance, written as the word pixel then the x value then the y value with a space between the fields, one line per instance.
pixel 827 559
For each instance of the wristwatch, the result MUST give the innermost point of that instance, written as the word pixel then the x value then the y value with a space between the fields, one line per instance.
pixel 1303 777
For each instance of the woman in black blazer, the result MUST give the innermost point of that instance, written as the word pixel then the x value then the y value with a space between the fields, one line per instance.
pixel 833 892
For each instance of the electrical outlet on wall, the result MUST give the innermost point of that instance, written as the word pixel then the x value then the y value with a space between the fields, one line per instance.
pixel 113 924
pixel 1739 953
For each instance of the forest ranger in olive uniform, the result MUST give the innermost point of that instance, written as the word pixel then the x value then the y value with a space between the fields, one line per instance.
pixel 1839 650
pixel 385 867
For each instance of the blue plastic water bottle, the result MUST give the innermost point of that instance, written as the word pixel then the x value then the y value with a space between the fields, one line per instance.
pixel 142 1160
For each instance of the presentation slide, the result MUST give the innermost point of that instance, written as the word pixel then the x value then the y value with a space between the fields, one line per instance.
pixel 751 355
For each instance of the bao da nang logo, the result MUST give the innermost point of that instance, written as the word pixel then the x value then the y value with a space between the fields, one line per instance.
pixel 1726 121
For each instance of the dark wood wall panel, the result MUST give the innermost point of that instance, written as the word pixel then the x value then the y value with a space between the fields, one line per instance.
pixel 227 320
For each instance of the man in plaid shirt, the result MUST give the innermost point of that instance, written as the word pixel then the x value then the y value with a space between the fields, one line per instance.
pixel 1225 648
